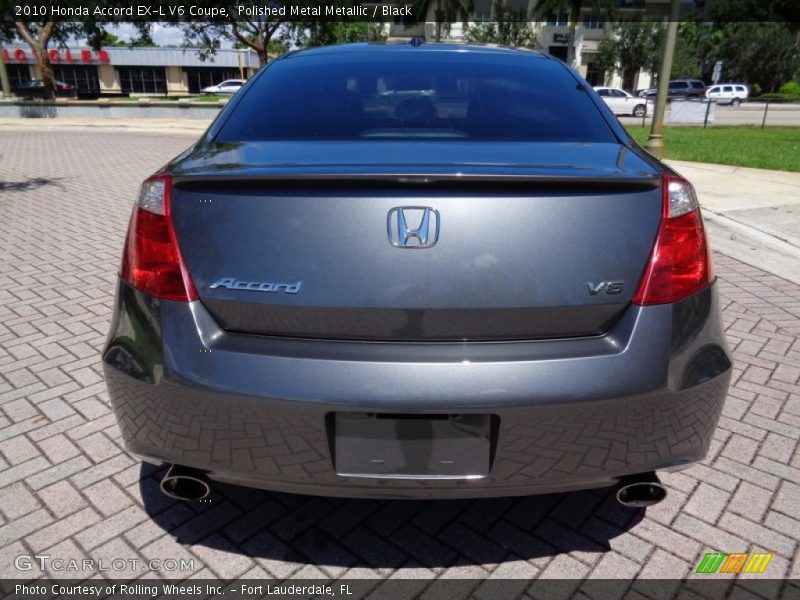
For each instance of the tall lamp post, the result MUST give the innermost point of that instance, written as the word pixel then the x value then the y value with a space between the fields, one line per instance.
pixel 655 143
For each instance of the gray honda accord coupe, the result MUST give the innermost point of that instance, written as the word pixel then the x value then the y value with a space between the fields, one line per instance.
pixel 417 271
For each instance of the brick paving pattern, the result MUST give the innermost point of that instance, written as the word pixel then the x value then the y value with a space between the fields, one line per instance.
pixel 68 489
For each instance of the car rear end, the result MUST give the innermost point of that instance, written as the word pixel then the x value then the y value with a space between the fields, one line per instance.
pixel 66 90
pixel 359 296
pixel 698 88
pixel 742 92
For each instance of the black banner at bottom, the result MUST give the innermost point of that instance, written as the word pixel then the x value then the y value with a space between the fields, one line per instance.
pixel 425 589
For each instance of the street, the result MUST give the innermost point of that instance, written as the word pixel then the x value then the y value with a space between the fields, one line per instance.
pixel 68 489
pixel 752 113
pixel 749 113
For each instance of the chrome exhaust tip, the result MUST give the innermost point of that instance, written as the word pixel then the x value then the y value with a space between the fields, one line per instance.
pixel 640 491
pixel 184 483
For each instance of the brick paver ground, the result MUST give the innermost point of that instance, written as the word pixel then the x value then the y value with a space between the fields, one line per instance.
pixel 68 489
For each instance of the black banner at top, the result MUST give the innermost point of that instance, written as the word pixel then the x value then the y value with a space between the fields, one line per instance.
pixel 387 11
pixel 205 10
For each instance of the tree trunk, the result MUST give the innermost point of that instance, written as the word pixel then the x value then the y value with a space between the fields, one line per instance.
pixel 571 45
pixel 574 18
pixel 263 56
pixel 39 49
pixel 48 77
pixel 439 18
pixel 628 76
pixel 257 41
pixel 263 49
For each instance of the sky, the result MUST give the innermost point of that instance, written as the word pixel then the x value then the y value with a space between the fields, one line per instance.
pixel 163 34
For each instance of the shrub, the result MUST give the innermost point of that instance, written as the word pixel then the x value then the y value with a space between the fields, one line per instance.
pixel 779 97
pixel 791 88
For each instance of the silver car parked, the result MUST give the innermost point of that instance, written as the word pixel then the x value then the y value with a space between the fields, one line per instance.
pixel 229 86
pixel 487 290
pixel 623 103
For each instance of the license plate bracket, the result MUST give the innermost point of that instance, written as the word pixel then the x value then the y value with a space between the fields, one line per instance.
pixel 412 446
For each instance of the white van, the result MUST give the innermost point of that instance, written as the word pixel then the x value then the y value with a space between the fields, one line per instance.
pixel 728 93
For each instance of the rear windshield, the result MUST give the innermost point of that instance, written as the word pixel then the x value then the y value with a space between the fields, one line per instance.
pixel 395 95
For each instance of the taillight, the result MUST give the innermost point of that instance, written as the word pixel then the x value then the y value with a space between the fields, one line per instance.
pixel 152 261
pixel 679 263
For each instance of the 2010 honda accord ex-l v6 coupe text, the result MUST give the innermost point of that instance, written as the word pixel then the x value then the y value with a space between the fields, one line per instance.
pixel 417 271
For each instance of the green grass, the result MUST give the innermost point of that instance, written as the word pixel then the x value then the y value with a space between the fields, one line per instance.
pixel 211 97
pixel 775 148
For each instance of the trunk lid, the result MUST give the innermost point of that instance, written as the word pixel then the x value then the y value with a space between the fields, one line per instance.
pixel 296 238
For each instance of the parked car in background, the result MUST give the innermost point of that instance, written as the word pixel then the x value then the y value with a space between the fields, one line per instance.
pixel 728 93
pixel 490 290
pixel 229 86
pixel 35 89
pixel 680 88
pixel 621 102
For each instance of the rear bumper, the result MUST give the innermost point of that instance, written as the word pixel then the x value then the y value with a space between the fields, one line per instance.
pixel 568 414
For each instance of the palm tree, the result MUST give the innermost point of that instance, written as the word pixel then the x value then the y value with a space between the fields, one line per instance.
pixel 444 11
pixel 548 8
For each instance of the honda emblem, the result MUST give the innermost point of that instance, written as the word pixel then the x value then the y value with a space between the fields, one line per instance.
pixel 413 226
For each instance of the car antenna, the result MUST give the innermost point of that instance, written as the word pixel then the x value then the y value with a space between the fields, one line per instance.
pixel 416 40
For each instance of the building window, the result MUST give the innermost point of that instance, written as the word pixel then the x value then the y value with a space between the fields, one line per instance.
pixel 559 20
pixel 594 22
pixel 85 79
pixel 143 80
pixel 595 76
pixel 18 74
pixel 200 77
